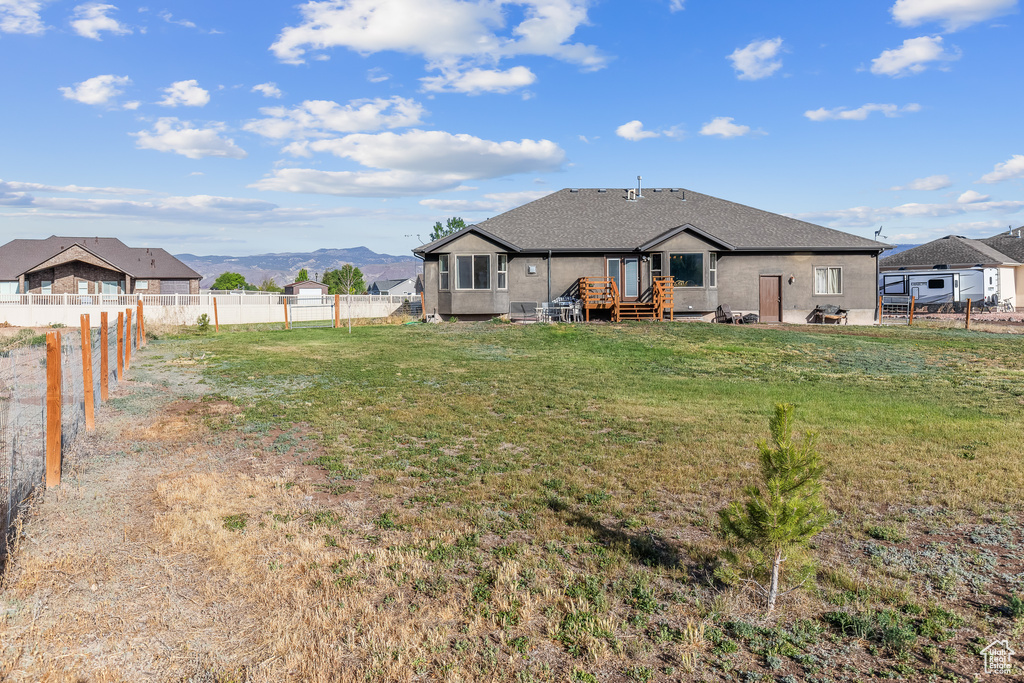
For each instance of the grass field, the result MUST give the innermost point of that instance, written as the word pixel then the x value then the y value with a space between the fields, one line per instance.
pixel 539 503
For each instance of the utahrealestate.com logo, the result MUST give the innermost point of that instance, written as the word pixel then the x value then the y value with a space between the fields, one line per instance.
pixel 998 657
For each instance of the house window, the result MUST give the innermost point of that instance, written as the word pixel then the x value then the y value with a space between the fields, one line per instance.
pixel 110 286
pixel 442 269
pixel 502 271
pixel 687 270
pixel 46 287
pixel 828 280
pixel 473 272
pixel 712 270
pixel 83 287
pixel 656 264
pixel 142 284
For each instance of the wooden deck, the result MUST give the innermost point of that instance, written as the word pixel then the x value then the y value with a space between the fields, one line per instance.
pixel 601 293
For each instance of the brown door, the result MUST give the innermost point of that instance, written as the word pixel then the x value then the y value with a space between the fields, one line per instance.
pixel 771 299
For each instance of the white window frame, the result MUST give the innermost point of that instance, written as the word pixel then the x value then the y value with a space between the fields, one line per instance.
pixel 46 286
pixel 712 269
pixel 444 276
pixel 142 284
pixel 502 272
pixel 828 280
pixel 473 260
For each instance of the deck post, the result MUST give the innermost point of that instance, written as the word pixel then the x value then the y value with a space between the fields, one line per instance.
pixel 913 301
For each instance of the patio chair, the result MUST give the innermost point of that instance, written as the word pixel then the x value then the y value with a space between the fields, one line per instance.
pixel 724 314
pixel 829 314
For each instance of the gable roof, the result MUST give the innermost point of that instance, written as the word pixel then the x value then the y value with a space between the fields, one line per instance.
pixel 1011 244
pixel 951 251
pixel 606 220
pixel 20 256
pixel 385 285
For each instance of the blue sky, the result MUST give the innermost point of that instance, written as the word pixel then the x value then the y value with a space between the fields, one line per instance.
pixel 241 128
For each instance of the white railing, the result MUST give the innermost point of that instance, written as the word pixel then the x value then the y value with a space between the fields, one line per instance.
pixel 38 310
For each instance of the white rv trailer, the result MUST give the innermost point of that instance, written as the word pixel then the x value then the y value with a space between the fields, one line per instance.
pixel 938 286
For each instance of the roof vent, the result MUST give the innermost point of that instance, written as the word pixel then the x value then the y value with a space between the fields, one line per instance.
pixel 657 189
pixel 631 194
pixel 602 190
pixel 573 190
pixel 674 189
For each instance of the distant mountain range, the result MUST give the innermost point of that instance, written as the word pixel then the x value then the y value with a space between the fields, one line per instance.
pixel 284 267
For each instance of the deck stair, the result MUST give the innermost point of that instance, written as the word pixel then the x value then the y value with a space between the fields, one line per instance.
pixel 602 293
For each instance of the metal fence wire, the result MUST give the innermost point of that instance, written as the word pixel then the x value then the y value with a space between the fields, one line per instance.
pixel 23 412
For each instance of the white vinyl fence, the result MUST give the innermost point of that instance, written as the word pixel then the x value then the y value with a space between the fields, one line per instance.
pixel 40 310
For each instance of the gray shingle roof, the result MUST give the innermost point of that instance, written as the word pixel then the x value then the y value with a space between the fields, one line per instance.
pixel 607 220
pixel 385 285
pixel 1012 245
pixel 950 251
pixel 20 256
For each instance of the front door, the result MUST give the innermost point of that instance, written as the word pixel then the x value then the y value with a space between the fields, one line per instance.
pixel 771 299
pixel 625 271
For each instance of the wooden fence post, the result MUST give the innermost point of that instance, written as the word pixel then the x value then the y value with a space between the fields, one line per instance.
pixel 142 327
pixel 337 311
pixel 120 346
pixel 54 401
pixel 287 325
pixel 216 318
pixel 913 302
pixel 879 309
pixel 968 326
pixel 104 367
pixel 90 398
pixel 128 337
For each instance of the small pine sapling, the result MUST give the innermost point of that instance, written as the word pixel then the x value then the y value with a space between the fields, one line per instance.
pixel 784 510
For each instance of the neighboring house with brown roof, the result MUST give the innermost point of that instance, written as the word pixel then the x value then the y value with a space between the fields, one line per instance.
pixel 709 251
pixel 306 288
pixel 955 268
pixel 91 265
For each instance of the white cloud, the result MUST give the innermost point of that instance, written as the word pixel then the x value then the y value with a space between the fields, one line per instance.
pixel 377 75
pixel 759 59
pixel 862 216
pixel 634 130
pixel 91 19
pixel 444 32
pixel 186 93
pixel 166 16
pixel 952 14
pixel 477 81
pixel 21 16
pixel 98 89
pixel 132 105
pixel 676 5
pixel 413 162
pixel 268 90
pixel 173 135
pixel 323 118
pixel 724 127
pixel 932 182
pixel 860 113
pixel 1006 170
pixel 971 197
pixel 912 57
pixel 497 202
pixel 16 186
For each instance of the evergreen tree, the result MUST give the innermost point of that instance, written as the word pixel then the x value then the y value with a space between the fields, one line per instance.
pixel 453 224
pixel 784 510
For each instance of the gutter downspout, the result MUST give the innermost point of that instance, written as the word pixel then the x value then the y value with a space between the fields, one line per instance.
pixel 549 275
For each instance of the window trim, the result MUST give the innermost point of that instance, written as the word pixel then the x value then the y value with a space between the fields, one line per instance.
pixel 473 258
pixel 46 286
pixel 702 284
pixel 500 273
pixel 814 280
pixel 142 284
pixel 712 270
pixel 444 278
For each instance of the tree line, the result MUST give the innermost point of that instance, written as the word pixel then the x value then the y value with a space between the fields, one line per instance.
pixel 345 280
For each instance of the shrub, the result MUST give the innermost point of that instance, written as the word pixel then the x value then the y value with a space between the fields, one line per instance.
pixel 203 322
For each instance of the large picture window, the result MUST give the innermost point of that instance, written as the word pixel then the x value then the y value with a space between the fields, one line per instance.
pixel 687 270
pixel 442 270
pixel 473 272
pixel 828 280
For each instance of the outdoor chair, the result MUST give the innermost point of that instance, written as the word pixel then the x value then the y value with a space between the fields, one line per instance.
pixel 829 314
pixel 724 314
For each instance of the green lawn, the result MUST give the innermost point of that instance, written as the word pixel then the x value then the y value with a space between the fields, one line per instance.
pixel 590 460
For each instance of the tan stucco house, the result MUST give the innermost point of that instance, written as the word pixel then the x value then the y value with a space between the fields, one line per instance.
pixel 91 265
pixel 663 252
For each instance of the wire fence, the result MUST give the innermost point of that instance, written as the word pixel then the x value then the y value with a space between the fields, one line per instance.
pixel 26 384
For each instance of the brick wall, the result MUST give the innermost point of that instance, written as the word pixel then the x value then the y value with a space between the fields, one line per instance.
pixel 66 276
